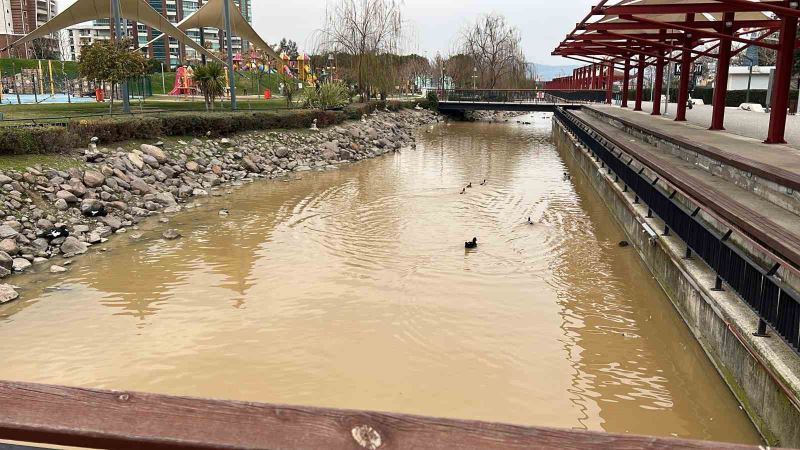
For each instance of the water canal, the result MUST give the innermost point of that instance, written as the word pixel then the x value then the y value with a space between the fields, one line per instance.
pixel 352 289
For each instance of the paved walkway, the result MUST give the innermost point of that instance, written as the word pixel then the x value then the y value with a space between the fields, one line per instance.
pixel 737 121
pixel 779 163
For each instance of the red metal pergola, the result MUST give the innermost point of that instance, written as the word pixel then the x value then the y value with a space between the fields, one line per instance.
pixel 635 34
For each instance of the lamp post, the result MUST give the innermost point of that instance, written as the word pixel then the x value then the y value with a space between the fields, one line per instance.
pixel 330 66
pixel 474 78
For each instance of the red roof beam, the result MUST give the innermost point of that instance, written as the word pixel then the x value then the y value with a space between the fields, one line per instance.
pixel 766 6
pixel 712 7
pixel 639 25
pixel 699 32
pixel 654 42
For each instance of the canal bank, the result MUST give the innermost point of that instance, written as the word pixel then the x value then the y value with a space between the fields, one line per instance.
pixel 61 212
pixel 762 373
pixel 351 288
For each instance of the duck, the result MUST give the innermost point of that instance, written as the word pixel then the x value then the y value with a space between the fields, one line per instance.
pixel 623 243
pixel 470 184
pixel 567 176
pixel 483 183
pixel 471 244
pixel 54 233
pixel 463 190
pixel 96 211
pixel 530 222
pixel 224 212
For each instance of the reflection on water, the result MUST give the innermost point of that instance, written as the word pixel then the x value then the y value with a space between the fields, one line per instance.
pixel 353 289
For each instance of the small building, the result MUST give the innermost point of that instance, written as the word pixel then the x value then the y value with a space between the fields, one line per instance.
pixel 738 75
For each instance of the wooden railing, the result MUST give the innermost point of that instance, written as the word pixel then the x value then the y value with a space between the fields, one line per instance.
pixel 46 414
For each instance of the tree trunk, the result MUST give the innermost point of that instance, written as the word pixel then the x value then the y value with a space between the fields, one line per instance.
pixel 111 103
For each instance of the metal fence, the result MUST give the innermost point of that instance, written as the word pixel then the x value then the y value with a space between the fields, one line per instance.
pixel 522 96
pixel 775 303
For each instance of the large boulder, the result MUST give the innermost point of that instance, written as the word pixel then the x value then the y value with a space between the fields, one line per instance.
pixel 7 232
pixel 20 264
pixel 72 246
pixel 7 293
pixel 136 160
pixel 141 186
pixel 6 261
pixel 166 199
pixel 155 152
pixel 67 196
pixel 9 246
pixel 93 178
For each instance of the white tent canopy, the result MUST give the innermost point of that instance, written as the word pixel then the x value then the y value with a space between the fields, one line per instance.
pixel 86 10
pixel 211 15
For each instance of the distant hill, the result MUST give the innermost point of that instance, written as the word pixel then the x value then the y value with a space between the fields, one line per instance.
pixel 547 72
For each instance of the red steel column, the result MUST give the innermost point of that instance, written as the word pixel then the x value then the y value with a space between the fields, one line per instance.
pixel 721 82
pixel 783 78
pixel 658 83
pixel 683 84
pixel 595 76
pixel 626 80
pixel 609 82
pixel 639 83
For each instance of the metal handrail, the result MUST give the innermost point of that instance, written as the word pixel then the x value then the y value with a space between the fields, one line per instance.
pixel 775 303
pixel 549 96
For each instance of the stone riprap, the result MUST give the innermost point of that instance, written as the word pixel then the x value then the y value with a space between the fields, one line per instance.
pixel 49 212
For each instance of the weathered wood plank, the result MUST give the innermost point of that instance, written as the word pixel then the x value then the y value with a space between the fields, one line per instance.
pixel 133 420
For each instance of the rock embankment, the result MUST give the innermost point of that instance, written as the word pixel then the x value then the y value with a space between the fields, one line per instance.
pixel 48 212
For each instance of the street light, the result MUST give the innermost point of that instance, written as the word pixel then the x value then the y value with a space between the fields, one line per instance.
pixel 330 66
pixel 474 78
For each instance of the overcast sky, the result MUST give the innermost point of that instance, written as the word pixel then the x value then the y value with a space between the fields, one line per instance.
pixel 433 24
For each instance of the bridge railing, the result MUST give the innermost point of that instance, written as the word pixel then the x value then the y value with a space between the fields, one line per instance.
pixel 81 417
pixel 550 96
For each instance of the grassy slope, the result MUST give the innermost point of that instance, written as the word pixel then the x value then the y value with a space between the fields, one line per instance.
pixel 83 109
pixel 7 64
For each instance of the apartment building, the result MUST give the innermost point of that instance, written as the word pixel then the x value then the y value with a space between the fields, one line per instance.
pixel 20 17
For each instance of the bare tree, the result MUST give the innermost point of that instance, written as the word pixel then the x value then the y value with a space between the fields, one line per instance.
pixel 364 30
pixel 495 48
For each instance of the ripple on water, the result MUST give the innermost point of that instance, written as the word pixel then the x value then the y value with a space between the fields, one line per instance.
pixel 352 289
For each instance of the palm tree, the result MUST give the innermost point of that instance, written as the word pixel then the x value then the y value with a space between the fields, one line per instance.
pixel 210 79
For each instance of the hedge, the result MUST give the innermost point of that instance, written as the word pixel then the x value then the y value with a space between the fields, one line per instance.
pixel 20 141
pixel 733 98
pixel 15 141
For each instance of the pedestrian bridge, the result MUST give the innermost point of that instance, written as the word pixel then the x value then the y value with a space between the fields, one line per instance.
pixel 460 100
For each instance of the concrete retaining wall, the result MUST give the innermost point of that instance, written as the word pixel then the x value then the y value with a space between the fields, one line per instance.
pixel 783 196
pixel 763 373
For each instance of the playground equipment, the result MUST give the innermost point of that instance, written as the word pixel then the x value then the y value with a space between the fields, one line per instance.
pixel 184 84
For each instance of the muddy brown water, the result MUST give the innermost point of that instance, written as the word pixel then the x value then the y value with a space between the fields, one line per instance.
pixel 352 289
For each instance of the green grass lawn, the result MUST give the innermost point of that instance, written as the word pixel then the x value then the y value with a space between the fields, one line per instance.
pixel 76 110
pixel 20 162
pixel 10 65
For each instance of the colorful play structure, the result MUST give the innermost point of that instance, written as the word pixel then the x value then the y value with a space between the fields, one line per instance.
pixel 184 83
